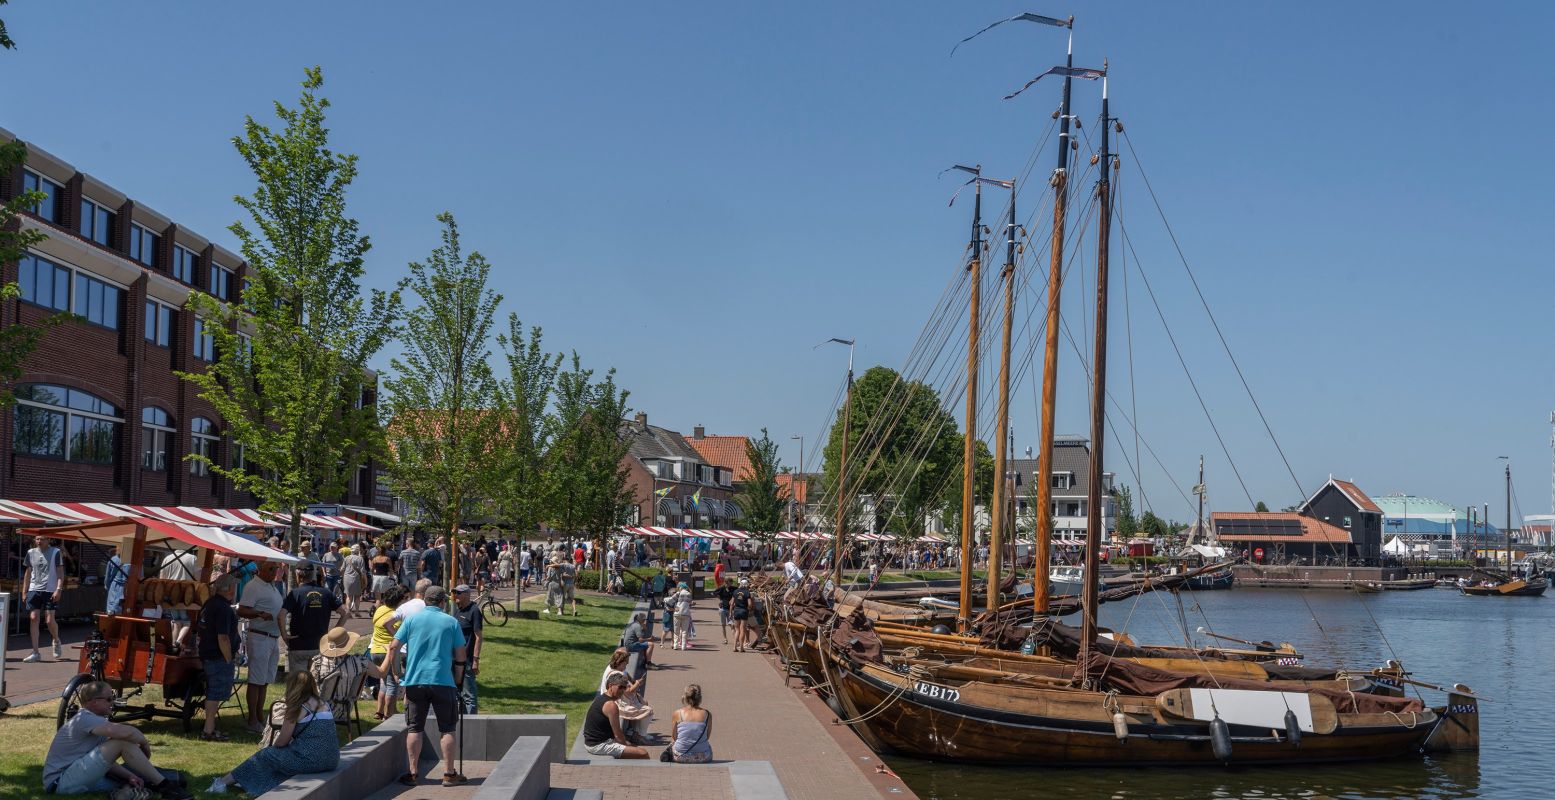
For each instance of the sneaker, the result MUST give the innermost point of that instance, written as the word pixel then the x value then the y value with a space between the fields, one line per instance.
pixel 32 659
pixel 216 787
pixel 59 652
pixel 130 793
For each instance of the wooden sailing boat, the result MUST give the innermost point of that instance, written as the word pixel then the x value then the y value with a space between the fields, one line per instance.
pixel 1104 709
pixel 1509 585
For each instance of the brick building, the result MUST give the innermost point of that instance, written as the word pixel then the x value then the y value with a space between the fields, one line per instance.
pixel 100 415
pixel 675 485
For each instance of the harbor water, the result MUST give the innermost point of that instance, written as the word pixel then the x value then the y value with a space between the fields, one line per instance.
pixel 1503 648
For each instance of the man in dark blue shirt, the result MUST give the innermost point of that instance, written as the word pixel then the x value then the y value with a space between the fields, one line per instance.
pixel 308 608
pixel 218 641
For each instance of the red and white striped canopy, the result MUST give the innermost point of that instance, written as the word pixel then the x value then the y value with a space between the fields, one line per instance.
pixel 219 517
pixel 690 533
pixel 123 529
pixel 328 523
pixel 34 512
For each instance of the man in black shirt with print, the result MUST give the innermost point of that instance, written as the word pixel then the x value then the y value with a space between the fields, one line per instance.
pixel 307 613
pixel 470 624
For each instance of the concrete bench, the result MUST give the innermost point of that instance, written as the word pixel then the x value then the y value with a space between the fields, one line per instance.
pixel 523 745
pixel 576 794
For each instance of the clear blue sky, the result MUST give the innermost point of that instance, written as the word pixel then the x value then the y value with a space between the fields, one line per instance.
pixel 697 193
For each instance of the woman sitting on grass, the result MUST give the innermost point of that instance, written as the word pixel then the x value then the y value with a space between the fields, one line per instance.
pixel 306 743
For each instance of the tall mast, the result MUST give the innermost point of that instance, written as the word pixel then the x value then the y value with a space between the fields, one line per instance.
pixel 1198 488
pixel 968 468
pixel 1509 518
pixel 842 474
pixel 1002 412
pixel 1094 518
pixel 1055 281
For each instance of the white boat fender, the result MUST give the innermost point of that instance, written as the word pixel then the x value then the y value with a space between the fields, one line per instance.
pixel 1120 726
pixel 1220 738
pixel 1292 728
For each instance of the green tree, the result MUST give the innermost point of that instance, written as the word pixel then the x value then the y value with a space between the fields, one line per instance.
pixel 1128 526
pixel 1153 526
pixel 585 465
pixel 902 449
pixel 5 38
pixel 517 487
pixel 982 486
pixel 1261 508
pixel 290 371
pixel 760 502
pixel 17 340
pixel 442 393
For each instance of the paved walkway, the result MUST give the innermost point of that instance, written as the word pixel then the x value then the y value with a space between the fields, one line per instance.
pixel 648 781
pixel 755 717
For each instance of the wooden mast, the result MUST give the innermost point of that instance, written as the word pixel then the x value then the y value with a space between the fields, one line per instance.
pixel 842 473
pixel 968 467
pixel 1509 575
pixel 1044 541
pixel 996 516
pixel 1095 526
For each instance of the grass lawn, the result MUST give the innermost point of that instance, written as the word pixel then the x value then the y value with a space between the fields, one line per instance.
pixel 544 666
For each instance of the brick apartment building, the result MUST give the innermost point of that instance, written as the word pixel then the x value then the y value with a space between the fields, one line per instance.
pixel 100 415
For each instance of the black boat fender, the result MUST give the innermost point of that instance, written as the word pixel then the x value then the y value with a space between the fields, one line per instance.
pixel 1292 728
pixel 1220 738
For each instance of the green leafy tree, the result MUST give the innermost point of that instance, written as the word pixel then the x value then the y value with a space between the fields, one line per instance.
pixel 761 503
pixel 5 37
pixel 584 466
pixel 1261 507
pixel 441 392
pixel 517 487
pixel 982 486
pixel 17 340
pixel 291 366
pixel 1153 526
pixel 1128 526
pixel 902 449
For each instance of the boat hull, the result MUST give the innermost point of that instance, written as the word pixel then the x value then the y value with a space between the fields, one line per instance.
pixel 923 720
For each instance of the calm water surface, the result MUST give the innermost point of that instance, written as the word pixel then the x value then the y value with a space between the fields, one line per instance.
pixel 1503 648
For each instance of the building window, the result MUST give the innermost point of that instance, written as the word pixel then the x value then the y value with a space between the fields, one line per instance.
pixel 156 430
pixel 204 343
pixel 49 208
pixel 205 438
pixel 1060 480
pixel 246 348
pixel 159 323
pixel 97 301
pixel 143 245
pixel 44 283
pixel 183 263
pixel 65 423
pixel 239 457
pixel 221 282
pixel 96 221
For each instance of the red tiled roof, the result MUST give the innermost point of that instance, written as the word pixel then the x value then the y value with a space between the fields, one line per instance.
pixel 724 451
pixel 1357 496
pixel 785 479
pixel 1312 530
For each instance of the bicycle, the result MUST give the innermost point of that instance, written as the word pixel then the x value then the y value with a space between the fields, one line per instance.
pixel 492 610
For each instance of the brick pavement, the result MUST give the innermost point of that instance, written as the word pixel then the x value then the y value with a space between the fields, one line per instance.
pixel 647 781
pixel 756 717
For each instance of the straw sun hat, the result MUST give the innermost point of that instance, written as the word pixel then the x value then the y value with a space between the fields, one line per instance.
pixel 337 642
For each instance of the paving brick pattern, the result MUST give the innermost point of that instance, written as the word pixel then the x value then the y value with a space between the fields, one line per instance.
pixel 754 716
pixel 647 781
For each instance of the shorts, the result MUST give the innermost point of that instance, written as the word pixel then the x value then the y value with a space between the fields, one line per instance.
pixel 390 687
pixel 382 583
pixel 218 679
pixel 41 601
pixel 299 660
pixel 638 647
pixel 88 774
pixel 441 700
pixel 264 656
pixel 739 614
pixel 608 747
pixel 523 573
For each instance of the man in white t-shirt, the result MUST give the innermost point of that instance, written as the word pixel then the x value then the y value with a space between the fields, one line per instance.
pixel 409 608
pixel 261 606
pixel 792 573
pixel 42 577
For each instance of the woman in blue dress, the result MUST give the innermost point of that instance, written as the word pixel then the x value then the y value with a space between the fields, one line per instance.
pixel 306 743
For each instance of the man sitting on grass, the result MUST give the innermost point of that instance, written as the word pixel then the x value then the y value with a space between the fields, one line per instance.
pixel 85 753
pixel 602 733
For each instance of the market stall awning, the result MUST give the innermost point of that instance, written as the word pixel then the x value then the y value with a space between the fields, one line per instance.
pixel 374 513
pixel 34 511
pixel 328 523
pixel 219 517
pixel 121 532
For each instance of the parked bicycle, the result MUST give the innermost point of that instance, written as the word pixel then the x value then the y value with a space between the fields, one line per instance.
pixel 492 609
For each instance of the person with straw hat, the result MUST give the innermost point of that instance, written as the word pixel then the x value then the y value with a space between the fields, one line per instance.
pixel 336 669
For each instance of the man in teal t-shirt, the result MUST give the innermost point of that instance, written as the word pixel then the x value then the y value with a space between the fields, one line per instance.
pixel 434 666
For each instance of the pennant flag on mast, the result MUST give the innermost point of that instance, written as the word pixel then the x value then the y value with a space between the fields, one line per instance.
pixel 1037 18
pixel 989 181
pixel 1084 73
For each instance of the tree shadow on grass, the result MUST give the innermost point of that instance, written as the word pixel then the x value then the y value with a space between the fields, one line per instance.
pixel 538 693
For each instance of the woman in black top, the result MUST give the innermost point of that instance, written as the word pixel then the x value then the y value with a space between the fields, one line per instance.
pixel 739 609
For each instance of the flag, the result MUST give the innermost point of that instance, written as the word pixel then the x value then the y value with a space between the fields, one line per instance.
pixel 990 181
pixel 1038 18
pixel 696 499
pixel 1085 73
pixel 661 493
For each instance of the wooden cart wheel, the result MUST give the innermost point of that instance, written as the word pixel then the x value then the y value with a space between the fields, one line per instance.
pixel 194 700
pixel 67 700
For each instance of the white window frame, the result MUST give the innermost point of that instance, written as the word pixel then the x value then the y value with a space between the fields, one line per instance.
pixel 204 444
pixel 151 431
